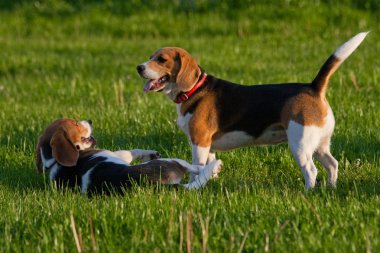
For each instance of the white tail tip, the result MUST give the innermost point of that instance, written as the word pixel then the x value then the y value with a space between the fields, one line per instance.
pixel 347 48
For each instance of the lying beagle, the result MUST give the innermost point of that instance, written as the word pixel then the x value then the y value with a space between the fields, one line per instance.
pixel 62 152
pixel 218 115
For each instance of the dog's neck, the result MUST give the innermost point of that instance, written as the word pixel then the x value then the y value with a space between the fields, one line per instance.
pixel 179 96
pixel 182 97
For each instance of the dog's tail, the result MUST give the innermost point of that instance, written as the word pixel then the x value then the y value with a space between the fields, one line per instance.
pixel 321 81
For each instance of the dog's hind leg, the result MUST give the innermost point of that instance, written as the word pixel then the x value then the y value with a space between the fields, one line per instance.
pixel 303 141
pixel 324 156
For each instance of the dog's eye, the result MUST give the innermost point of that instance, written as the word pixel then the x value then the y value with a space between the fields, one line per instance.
pixel 161 59
pixel 83 139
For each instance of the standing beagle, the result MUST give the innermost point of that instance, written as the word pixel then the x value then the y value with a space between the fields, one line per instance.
pixel 218 115
pixel 62 151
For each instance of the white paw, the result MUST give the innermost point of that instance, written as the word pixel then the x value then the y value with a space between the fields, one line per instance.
pixel 217 168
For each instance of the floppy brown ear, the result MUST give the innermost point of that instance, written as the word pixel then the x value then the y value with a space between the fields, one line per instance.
pixel 64 151
pixel 189 72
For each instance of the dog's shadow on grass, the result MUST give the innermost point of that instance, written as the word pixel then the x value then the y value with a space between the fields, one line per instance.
pixel 22 179
pixel 356 147
pixel 359 161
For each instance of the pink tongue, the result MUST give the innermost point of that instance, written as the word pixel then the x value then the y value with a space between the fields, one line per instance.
pixel 149 86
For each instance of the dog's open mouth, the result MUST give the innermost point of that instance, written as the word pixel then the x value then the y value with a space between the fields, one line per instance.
pixel 156 84
pixel 91 141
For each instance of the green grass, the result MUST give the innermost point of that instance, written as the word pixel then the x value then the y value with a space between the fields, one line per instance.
pixel 77 59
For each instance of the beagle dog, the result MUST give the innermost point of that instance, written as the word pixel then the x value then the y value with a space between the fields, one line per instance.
pixel 218 115
pixel 62 152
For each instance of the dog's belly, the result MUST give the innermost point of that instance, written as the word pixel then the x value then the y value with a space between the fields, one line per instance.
pixel 231 140
pixel 274 134
pixel 235 139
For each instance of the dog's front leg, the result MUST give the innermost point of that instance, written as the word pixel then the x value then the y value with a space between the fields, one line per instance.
pixel 200 156
pixel 211 156
pixel 137 154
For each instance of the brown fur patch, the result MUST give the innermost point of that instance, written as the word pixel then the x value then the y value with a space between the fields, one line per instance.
pixel 306 108
pixel 321 81
pixel 189 72
pixel 73 130
pixel 204 122
pixel 64 150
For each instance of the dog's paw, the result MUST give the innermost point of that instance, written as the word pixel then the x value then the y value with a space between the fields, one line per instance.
pixel 155 155
pixel 217 168
pixel 148 155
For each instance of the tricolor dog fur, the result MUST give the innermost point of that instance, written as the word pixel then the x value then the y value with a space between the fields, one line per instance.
pixel 63 152
pixel 218 115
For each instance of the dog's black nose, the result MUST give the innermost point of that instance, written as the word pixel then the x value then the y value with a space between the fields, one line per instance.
pixel 140 68
pixel 89 122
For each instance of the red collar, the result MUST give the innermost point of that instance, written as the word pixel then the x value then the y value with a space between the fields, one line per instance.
pixel 185 96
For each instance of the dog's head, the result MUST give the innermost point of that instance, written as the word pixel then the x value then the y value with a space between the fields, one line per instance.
pixel 62 141
pixel 171 70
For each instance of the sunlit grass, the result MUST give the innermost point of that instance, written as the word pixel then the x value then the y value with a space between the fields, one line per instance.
pixel 71 59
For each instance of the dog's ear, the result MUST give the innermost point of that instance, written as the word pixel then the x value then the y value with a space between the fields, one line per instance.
pixel 189 72
pixel 64 151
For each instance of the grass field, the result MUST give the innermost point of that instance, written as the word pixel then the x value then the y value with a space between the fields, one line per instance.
pixel 77 59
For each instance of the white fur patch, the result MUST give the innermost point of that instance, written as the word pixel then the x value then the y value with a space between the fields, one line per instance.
pixel 111 157
pixel 347 48
pixel 86 180
pixel 200 154
pixel 125 155
pixel 149 73
pixel 304 141
pixel 87 125
pixel 134 154
pixel 46 162
pixel 205 175
pixel 183 120
pixel 53 171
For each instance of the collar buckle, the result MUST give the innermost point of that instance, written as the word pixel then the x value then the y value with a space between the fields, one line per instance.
pixel 185 96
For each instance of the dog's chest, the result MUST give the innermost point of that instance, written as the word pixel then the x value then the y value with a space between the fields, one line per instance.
pixel 183 121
